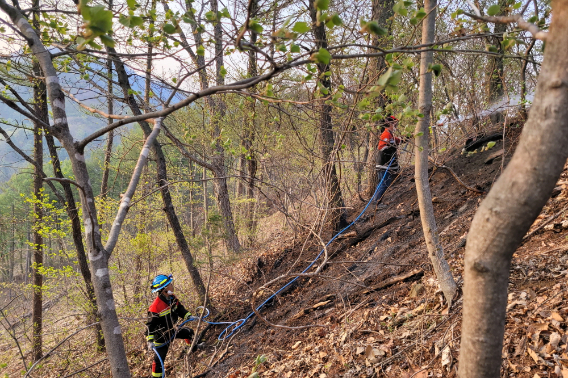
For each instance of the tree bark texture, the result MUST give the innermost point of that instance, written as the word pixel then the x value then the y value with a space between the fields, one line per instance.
pixel 337 217
pixel 162 177
pixel 73 215
pixel 110 138
pixel 495 84
pixel 435 251
pixel 381 11
pixel 40 107
pixel 97 255
pixel 512 205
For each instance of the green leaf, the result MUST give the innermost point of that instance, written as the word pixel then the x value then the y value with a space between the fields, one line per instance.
pixel 413 21
pixel 322 56
pixel 491 48
pixel 442 149
pixel 491 145
pixel 374 28
pixel 399 8
pixel 200 51
pixel 132 4
pixel 255 26
pixel 169 28
pixel 211 16
pixel 420 14
pixel 223 71
pixel 295 48
pixel 436 69
pixel 301 27
pixel 130 22
pixel 419 134
pixel 106 40
pixel 383 80
pixel 493 10
pixel 321 4
pixel 281 47
pixel 336 20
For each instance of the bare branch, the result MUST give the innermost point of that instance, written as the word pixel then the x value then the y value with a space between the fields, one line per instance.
pixel 517 18
pixel 125 202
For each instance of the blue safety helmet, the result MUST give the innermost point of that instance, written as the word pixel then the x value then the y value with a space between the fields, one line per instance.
pixel 160 282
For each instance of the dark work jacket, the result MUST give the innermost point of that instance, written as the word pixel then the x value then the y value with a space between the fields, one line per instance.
pixel 163 314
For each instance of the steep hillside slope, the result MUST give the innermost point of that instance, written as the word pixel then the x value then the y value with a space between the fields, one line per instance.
pixel 375 310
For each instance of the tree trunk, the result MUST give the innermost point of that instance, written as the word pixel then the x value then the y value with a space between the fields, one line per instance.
pixel 40 107
pixel 495 88
pixel 337 216
pixel 512 205
pixel 108 150
pixel 97 254
pixel 162 179
pixel 524 65
pixel 381 11
pixel 217 112
pixel 73 215
pixel 435 251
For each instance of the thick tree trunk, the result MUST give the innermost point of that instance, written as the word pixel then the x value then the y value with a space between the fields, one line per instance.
pixel 381 11
pixel 435 251
pixel 512 205
pixel 337 217
pixel 40 107
pixel 97 255
pixel 162 179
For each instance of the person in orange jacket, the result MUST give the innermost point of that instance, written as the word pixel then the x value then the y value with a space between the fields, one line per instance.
pixel 388 157
pixel 163 314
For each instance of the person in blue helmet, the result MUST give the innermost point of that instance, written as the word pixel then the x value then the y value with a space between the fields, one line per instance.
pixel 163 314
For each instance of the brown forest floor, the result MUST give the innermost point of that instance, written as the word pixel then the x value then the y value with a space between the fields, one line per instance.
pixel 395 331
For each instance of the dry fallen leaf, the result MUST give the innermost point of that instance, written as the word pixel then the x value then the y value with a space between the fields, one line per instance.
pixel 533 354
pixel 295 346
pixel 556 316
pixel 447 357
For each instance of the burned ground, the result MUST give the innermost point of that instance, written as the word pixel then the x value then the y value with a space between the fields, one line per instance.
pixel 375 308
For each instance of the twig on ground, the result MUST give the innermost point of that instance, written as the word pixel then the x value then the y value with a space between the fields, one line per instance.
pixel 544 223
pixel 457 178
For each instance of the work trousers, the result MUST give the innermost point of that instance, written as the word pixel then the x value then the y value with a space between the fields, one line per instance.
pixel 162 349
pixel 386 177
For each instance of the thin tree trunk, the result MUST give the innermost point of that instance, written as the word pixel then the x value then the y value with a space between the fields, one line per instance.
pixel 251 161
pixel 512 205
pixel 495 88
pixel 216 112
pixel 524 65
pixel 162 179
pixel 327 140
pixel 40 107
pixel 381 11
pixel 435 251
pixel 110 140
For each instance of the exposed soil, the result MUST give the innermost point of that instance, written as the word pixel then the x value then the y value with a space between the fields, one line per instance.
pixel 375 309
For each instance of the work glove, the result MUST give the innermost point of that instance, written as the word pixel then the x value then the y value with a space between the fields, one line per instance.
pixel 150 346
